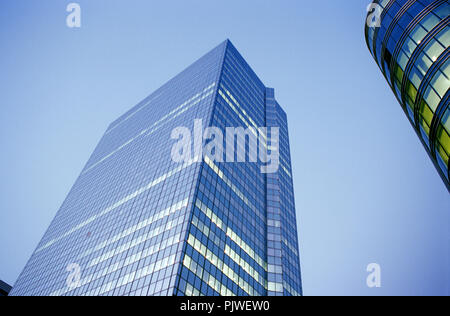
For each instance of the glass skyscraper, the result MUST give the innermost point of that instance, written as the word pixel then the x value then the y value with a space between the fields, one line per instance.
pixel 138 223
pixel 411 47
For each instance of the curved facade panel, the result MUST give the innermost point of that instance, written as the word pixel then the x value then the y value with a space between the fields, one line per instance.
pixel 409 40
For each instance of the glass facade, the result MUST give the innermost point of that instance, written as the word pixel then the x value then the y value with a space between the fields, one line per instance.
pixel 411 47
pixel 138 223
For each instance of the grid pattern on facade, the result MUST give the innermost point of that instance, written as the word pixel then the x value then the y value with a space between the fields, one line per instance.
pixel 138 223
pixel 411 47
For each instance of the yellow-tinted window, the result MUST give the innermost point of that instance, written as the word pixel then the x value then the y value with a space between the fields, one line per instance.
pixel 443 143
pixel 426 113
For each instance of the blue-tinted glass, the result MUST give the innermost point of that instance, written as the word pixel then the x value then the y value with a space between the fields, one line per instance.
pixel 418 69
pixel 138 223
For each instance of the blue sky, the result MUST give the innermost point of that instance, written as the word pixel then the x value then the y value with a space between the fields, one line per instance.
pixel 365 188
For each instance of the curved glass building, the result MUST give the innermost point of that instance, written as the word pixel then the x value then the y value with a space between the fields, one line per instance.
pixel 409 40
